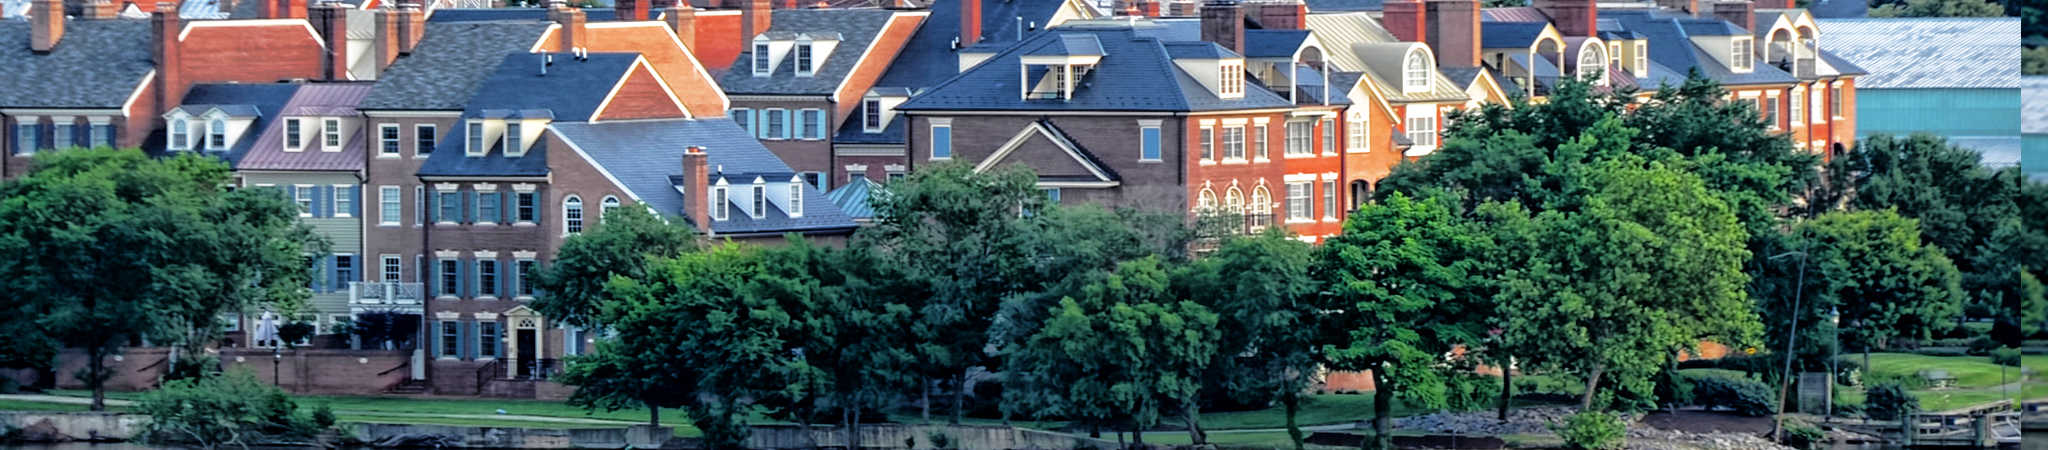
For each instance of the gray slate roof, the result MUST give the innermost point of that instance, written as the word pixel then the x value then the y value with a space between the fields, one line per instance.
pixel 97 64
pixel 1673 54
pixel 570 91
pixel 1128 78
pixel 266 100
pixel 1273 43
pixel 515 14
pixel 929 57
pixel 448 65
pixel 646 157
pixel 1911 53
pixel 858 28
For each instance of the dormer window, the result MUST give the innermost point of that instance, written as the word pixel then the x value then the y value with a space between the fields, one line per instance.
pixel 1642 58
pixel 1614 53
pixel 1741 55
pixel 512 139
pixel 796 197
pixel 1590 63
pixel 761 61
pixel 719 203
pixel 294 134
pixel 181 137
pixel 1415 74
pixel 871 115
pixel 476 139
pixel 331 130
pixel 760 208
pixel 803 58
pixel 1230 82
pixel 217 134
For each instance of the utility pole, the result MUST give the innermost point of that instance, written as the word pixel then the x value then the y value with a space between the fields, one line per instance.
pixel 1791 339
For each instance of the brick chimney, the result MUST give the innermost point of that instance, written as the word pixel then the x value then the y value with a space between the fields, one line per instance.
pixel 1687 6
pixel 1147 8
pixel 1223 24
pixel 574 27
pixel 101 10
pixel 289 9
pixel 386 43
pixel 1738 12
pixel 330 19
pixel 970 22
pixel 1454 32
pixel 1406 20
pixel 412 25
pixel 48 25
pixel 1572 17
pixel 682 19
pixel 754 20
pixel 630 10
pixel 1281 15
pixel 168 55
pixel 697 188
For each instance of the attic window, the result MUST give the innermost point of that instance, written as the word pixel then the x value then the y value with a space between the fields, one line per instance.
pixel 1416 74
pixel 1590 63
pixel 1614 53
pixel 1741 56
pixel 476 139
pixel 294 134
pixel 1642 58
pixel 217 134
pixel 1230 82
pixel 796 197
pixel 803 59
pixel 331 130
pixel 871 115
pixel 180 135
pixel 719 206
pixel 761 61
pixel 512 135
pixel 760 208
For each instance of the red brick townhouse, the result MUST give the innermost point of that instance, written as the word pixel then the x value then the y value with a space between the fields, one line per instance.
pixel 1105 111
pixel 803 73
pixel 102 81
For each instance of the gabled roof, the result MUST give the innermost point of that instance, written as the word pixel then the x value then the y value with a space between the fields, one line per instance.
pixel 1079 159
pixel 449 64
pixel 1273 43
pixel 332 100
pixel 645 157
pixel 1349 39
pixel 570 92
pixel 266 99
pixel 97 64
pixel 858 28
pixel 929 57
pixel 1127 78
pixel 1911 53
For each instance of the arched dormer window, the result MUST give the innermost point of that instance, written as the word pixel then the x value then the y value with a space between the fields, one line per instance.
pixel 605 207
pixel 1415 72
pixel 1206 202
pixel 181 137
pixel 217 134
pixel 1591 64
pixel 572 215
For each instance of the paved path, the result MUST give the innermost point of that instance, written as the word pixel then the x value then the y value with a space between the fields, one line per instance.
pixel 547 419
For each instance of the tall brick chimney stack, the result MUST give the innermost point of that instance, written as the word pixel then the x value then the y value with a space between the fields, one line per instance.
pixel 48 25
pixel 386 42
pixel 1454 32
pixel 1739 12
pixel 1580 18
pixel 970 22
pixel 755 19
pixel 1223 24
pixel 330 19
pixel 697 188
pixel 682 20
pixel 412 25
pixel 168 55
pixel 1280 15
pixel 574 26
pixel 1407 20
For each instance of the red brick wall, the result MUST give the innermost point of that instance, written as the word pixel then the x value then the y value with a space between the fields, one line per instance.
pixel 342 372
pixel 133 369
pixel 870 69
pixel 656 42
pixel 718 38
pixel 640 97
pixel 249 53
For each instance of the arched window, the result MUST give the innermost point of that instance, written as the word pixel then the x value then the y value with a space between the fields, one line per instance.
pixel 572 214
pixel 1233 200
pixel 1591 64
pixel 217 134
pixel 1416 77
pixel 1206 202
pixel 605 208
pixel 180 135
pixel 1262 207
pixel 1361 191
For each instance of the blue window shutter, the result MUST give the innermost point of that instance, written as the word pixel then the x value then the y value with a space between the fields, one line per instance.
pixel 507 207
pixel 818 115
pixel 333 276
pixel 505 279
pixel 463 348
pixel 540 207
pixel 291 193
pixel 761 123
pixel 788 118
pixel 796 123
pixel 434 338
pixel 462 271
pixel 355 201
pixel 323 201
pixel 469 214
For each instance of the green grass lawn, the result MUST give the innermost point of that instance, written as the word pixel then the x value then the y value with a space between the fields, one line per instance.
pixel 1969 371
pixel 1317 410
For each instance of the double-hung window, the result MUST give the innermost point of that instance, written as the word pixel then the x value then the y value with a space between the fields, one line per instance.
pixel 344 201
pixel 745 118
pixel 775 124
pixel 25 136
pixel 100 134
pixel 181 134
pixel 487 205
pixel 512 144
pixel 451 279
pixel 760 201
pixel 871 115
pixel 388 206
pixel 1835 101
pixel 294 134
pixel 1354 132
pixel 61 135
pixel 387 140
pixel 303 194
pixel 522 271
pixel 1208 143
pixel 1233 143
pixel 344 271
pixel 1797 115
pixel 451 339
pixel 719 204
pixel 1298 201
pixel 528 205
pixel 1740 55
pixel 424 137
pixel 330 130
pixel 487 278
pixel 1329 136
pixel 449 207
pixel 760 58
pixel 572 215
pixel 1259 146
pixel 1329 199
pixel 487 339
pixel 1422 131
pixel 803 59
pixel 392 267
pixel 1300 138
pixel 216 134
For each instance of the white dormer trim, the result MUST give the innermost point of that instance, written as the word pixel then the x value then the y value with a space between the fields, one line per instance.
pixel 291 125
pixel 1037 129
pixel 338 134
pixel 1417 79
pixel 177 126
pixel 863 62
pixel 1742 54
pixel 794 205
pixel 638 64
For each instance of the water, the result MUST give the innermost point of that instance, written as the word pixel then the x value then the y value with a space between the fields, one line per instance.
pixel 2034 440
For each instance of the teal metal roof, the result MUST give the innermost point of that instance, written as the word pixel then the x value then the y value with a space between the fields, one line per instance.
pixel 852 198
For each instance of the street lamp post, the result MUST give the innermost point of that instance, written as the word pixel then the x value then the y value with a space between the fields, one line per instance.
pixel 1791 339
pixel 276 359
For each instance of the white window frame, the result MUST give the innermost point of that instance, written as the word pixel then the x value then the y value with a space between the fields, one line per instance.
pixel 1208 140
pixel 1816 106
pixel 390 206
pixel 1796 108
pixel 477 277
pixel 796 198
pixel 341 198
pixel 302 195
pixel 388 147
pixel 181 134
pixel 720 197
pixel 1307 139
pixel 294 134
pixel 805 59
pixel 1415 72
pixel 605 207
pixel 1742 53
pixel 1329 200
pixel 1305 200
pixel 1354 134
pixel 1642 57
pixel 871 115
pixel 514 138
pixel 760 61
pixel 1233 143
pixel 390 267
pixel 572 224
pixel 330 132
pixel 435 129
pixel 1262 147
pixel 217 134
pixel 473 138
pixel 769 117
pixel 759 208
pixel 1205 201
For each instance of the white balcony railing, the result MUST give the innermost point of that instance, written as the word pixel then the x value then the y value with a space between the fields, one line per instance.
pixel 380 293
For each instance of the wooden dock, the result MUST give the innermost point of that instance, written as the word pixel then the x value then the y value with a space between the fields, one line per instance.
pixel 1984 426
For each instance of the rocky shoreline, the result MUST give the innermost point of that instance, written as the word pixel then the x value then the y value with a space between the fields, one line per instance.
pixel 1537 421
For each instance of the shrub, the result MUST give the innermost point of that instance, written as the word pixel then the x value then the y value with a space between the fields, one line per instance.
pixel 1805 436
pixel 1471 392
pixel 1592 430
pixel 2006 356
pixel 1744 395
pixel 323 416
pixel 1674 388
pixel 1888 401
pixel 1982 345
pixel 294 332
pixel 191 365
pixel 227 410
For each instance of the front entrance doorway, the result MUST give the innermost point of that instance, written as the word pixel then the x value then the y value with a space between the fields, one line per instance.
pixel 528 361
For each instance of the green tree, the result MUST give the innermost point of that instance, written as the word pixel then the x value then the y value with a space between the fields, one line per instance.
pixel 232 409
pixel 109 247
pixel 2034 61
pixel 1652 263
pixel 572 288
pixel 1260 289
pixel 1939 8
pixel 1120 349
pixel 1403 294
pixel 851 351
pixel 961 233
pixel 1872 266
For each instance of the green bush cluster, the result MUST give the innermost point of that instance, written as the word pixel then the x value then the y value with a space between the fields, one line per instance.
pixel 1888 401
pixel 1592 430
pixel 232 409
pixel 1804 436
pixel 2006 356
pixel 1471 392
pixel 1746 396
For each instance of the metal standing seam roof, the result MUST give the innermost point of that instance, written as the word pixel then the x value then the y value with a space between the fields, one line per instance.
pixel 1126 79
pixel 1320 6
pixel 854 196
pixel 570 92
pixel 98 64
pixel 929 59
pixel 858 29
pixel 1341 34
pixel 449 64
pixel 1911 53
pixel 2034 105
pixel 1510 34
pixel 327 100
pixel 646 158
